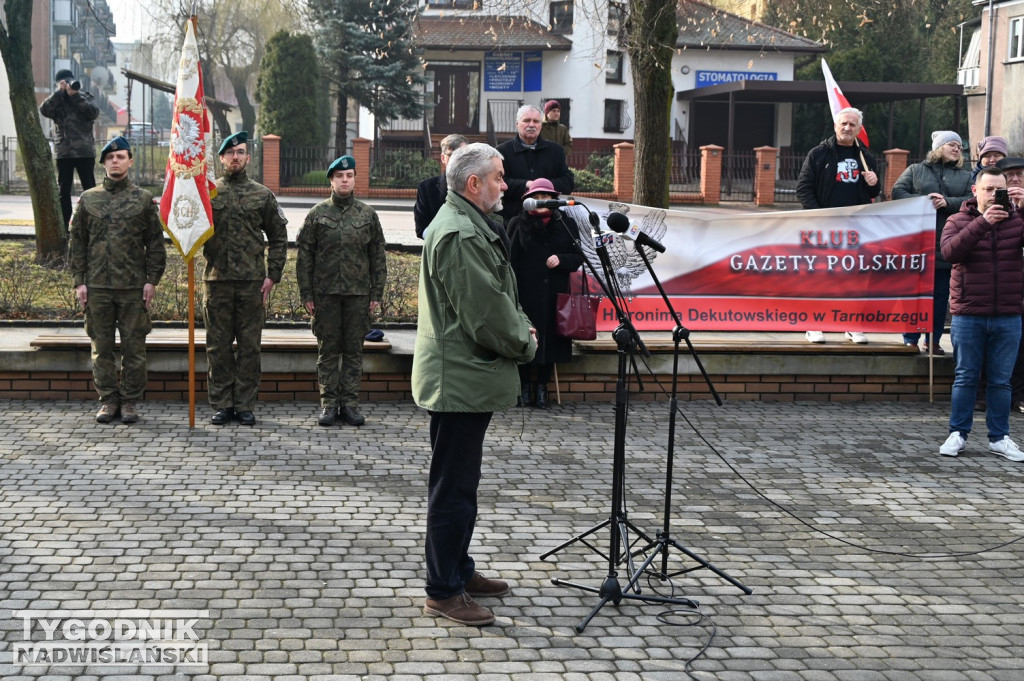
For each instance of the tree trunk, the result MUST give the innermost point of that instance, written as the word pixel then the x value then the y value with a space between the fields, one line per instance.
pixel 341 127
pixel 652 37
pixel 16 48
pixel 220 119
pixel 238 79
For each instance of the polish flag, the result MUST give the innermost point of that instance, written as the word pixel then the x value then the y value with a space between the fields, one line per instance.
pixel 838 101
pixel 185 208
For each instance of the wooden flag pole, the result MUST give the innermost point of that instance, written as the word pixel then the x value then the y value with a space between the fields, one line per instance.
pixel 191 344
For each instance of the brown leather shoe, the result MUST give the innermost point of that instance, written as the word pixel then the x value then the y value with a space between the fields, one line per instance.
pixel 461 609
pixel 481 587
pixel 129 414
pixel 109 410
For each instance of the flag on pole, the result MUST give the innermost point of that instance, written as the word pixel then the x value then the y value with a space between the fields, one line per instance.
pixel 838 101
pixel 188 182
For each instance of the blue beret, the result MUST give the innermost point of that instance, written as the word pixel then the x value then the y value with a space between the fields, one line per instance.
pixel 343 163
pixel 232 141
pixel 375 336
pixel 117 144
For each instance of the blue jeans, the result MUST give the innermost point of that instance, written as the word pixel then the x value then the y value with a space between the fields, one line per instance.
pixel 991 341
pixel 940 302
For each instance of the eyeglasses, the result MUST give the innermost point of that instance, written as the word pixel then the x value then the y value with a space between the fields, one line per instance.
pixel 236 152
pixel 954 145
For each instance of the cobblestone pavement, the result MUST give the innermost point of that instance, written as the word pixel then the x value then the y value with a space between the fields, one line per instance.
pixel 304 543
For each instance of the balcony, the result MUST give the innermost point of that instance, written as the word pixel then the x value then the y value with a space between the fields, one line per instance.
pixel 65 16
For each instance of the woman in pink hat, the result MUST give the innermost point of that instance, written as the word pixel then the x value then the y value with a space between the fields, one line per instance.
pixel 543 256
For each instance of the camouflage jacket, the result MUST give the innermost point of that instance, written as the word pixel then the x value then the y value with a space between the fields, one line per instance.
pixel 243 211
pixel 73 116
pixel 341 251
pixel 116 237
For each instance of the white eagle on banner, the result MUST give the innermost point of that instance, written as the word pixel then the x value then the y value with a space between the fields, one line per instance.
pixel 188 181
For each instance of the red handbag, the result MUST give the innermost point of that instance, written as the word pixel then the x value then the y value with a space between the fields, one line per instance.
pixel 576 314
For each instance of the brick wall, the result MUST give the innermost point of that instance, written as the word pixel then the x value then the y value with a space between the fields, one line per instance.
pixel 574 387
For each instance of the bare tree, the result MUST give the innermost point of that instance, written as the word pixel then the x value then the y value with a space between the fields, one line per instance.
pixel 231 37
pixel 16 49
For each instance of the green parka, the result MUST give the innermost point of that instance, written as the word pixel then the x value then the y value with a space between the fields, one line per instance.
pixel 472 333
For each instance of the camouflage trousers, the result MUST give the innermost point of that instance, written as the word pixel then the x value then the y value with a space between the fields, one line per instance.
pixel 340 323
pixel 122 310
pixel 234 315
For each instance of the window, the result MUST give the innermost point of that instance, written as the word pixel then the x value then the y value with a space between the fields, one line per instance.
pixel 613 68
pixel 616 17
pixel 615 117
pixel 453 4
pixel 561 16
pixel 1016 31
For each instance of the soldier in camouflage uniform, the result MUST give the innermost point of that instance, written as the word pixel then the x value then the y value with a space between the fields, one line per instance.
pixel 238 282
pixel 341 269
pixel 117 259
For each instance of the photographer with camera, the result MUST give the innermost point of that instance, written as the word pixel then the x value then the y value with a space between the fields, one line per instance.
pixel 984 242
pixel 73 113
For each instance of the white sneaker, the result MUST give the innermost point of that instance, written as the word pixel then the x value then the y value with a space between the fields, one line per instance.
pixel 1007 449
pixel 953 445
pixel 856 337
pixel 815 337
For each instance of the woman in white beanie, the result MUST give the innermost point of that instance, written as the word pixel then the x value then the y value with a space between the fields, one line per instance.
pixel 943 178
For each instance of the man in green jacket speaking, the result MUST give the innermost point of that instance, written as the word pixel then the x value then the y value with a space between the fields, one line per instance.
pixel 471 336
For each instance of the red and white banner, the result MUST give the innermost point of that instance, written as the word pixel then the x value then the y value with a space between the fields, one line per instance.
pixel 185 204
pixel 867 267
pixel 837 101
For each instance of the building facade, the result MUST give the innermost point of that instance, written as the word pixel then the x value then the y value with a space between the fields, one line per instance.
pixel 482 63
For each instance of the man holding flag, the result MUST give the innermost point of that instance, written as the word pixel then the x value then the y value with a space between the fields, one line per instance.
pixel 238 282
pixel 839 171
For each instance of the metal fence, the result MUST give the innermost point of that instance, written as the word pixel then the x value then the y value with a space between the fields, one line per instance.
pixel 305 166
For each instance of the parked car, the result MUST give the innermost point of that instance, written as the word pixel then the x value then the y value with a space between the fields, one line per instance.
pixel 144 133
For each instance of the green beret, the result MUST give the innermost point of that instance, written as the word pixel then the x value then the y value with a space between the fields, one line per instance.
pixel 117 144
pixel 343 163
pixel 238 139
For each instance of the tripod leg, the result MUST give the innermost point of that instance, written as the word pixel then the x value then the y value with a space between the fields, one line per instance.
pixel 577 538
pixel 704 563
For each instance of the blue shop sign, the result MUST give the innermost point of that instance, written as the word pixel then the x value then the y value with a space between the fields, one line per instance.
pixel 709 78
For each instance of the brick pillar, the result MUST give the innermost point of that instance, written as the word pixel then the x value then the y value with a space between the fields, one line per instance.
pixel 764 176
pixel 361 153
pixel 895 164
pixel 625 163
pixel 711 173
pixel 272 163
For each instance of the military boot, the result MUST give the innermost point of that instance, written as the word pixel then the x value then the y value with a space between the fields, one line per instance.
pixel 129 414
pixel 108 411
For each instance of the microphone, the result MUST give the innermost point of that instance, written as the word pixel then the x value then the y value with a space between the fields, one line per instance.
pixel 617 222
pixel 534 204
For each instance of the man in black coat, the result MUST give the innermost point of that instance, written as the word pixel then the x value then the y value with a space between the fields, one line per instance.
pixel 838 172
pixel 527 157
pixel 431 193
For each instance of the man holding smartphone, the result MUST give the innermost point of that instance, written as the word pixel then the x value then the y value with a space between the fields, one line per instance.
pixel 985 243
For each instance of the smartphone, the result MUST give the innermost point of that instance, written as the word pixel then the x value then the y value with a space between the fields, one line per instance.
pixel 1003 199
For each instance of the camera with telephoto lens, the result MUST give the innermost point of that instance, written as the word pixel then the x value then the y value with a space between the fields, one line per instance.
pixel 75 85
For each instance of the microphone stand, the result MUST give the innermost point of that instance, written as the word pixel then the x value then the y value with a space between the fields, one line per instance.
pixel 628 342
pixel 664 540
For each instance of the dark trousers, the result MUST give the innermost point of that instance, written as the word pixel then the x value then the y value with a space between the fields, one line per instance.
pixel 457 444
pixel 66 168
pixel 939 306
